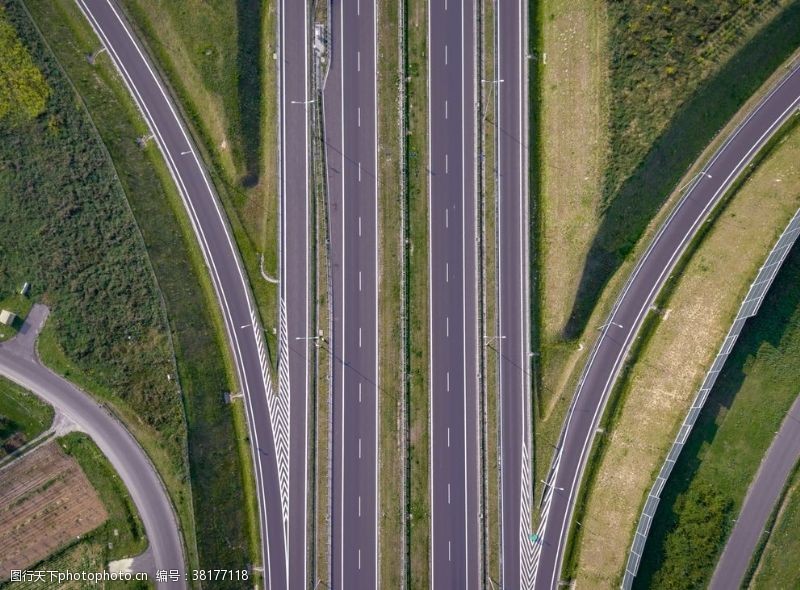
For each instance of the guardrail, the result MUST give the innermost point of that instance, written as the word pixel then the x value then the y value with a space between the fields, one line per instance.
pixel 749 308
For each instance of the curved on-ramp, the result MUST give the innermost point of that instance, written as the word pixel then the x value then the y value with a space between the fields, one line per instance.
pixel 267 412
pixel 18 362
pixel 623 324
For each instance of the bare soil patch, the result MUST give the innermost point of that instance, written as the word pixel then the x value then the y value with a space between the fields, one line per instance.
pixel 46 502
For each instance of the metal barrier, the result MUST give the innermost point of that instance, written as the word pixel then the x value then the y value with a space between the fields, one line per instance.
pixel 749 308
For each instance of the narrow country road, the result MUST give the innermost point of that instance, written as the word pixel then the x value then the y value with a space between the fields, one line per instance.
pixel 762 496
pixel 19 363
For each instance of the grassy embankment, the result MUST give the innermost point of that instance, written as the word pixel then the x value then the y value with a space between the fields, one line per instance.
pixel 776 565
pixel 744 410
pixel 416 109
pixel 218 60
pixel 223 497
pixel 490 418
pixel 120 536
pixel 23 416
pixel 392 385
pixel 74 238
pixel 678 344
pixel 704 62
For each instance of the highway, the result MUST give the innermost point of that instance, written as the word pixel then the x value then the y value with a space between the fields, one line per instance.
pixel 623 324
pixel 267 413
pixel 19 363
pixel 350 120
pixel 513 300
pixel 453 282
pixel 295 330
pixel 762 496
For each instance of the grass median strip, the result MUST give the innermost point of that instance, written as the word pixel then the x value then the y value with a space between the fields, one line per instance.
pixel 391 208
pixel 417 284
pixel 676 347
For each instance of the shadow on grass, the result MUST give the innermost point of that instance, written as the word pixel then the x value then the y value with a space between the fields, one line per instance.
pixel 782 302
pixel 691 130
pixel 249 74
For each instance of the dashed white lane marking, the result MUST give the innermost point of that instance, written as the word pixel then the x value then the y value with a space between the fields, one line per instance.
pixel 359 559
pixel 359 172
pixel 358 8
pixel 359 116
pixel 446 272
pixel 359 506
pixel 447 218
pixel 448 380
pixel 245 326
pixel 448 436
pixel 186 153
pixel 445 55
pixel 448 493
pixel 359 392
pixel 449 553
pixel 359 60
pixel 446 164
pixel 445 109
pixel 359 337
pixel 359 280
pixel 447 326
pixel 359 226
pixel 359 447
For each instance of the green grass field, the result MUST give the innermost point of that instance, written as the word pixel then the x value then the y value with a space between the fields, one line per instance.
pixel 23 416
pixel 737 425
pixel 74 239
pixel 220 503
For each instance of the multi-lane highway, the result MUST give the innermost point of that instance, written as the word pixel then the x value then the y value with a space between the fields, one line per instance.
pixel 763 494
pixel 513 342
pixel 267 413
pixel 295 337
pixel 453 280
pixel 630 309
pixel 350 118
pixel 18 362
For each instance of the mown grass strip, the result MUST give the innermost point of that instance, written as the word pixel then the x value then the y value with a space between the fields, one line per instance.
pixel 417 284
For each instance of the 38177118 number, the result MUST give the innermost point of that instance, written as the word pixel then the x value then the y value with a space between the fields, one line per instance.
pixel 212 575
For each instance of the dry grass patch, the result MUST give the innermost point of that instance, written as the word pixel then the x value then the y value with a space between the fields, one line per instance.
pixel 45 503
pixel 668 371
pixel 574 116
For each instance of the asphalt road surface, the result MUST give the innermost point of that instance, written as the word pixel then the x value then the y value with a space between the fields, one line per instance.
pixel 453 280
pixel 350 103
pixel 245 336
pixel 513 344
pixel 762 496
pixel 295 335
pixel 19 363
pixel 630 309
